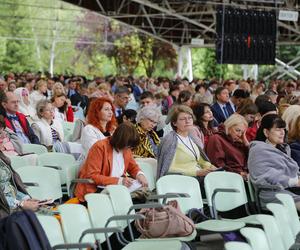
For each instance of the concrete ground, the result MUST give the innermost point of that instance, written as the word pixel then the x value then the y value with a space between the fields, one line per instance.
pixel 211 242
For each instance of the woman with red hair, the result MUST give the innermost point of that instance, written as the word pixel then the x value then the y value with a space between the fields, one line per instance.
pixel 101 122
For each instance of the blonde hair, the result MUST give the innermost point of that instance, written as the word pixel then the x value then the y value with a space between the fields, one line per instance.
pixel 292 118
pixel 40 83
pixel 234 120
pixel 55 88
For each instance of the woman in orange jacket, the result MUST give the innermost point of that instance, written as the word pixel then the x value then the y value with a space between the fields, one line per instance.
pixel 110 161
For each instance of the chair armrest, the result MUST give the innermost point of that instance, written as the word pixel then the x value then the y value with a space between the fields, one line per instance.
pixel 100 230
pixel 147 205
pixel 51 166
pixel 74 245
pixel 87 181
pixel 221 190
pixel 174 173
pixel 31 184
pixel 167 196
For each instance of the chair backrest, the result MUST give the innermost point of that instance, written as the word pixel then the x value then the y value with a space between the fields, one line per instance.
pixel 34 148
pixel 52 229
pixel 281 216
pixel 74 220
pixel 120 200
pixel 18 161
pixel 66 161
pixel 100 210
pixel 271 230
pixel 49 186
pixel 68 128
pixel 289 203
pixel 237 246
pixel 181 184
pixel 256 238
pixel 225 201
pixel 148 171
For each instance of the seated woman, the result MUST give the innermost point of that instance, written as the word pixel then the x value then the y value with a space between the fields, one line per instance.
pixel 179 151
pixel 62 108
pixel 270 165
pixel 24 104
pixel 229 147
pixel 292 118
pixel 110 160
pixel 39 94
pixel 147 119
pixel 204 122
pixel 47 129
pixel 13 193
pixel 101 122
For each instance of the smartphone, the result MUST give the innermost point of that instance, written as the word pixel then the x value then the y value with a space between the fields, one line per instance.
pixel 46 202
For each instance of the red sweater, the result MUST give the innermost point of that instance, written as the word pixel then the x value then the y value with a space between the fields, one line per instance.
pixel 223 152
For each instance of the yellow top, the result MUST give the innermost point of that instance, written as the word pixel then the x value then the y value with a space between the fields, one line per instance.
pixel 184 162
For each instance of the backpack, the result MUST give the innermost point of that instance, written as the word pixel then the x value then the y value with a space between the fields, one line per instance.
pixel 22 230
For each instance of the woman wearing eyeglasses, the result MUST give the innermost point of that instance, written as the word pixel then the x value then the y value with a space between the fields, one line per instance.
pixel 147 119
pixel 24 104
pixel 47 129
pixel 179 151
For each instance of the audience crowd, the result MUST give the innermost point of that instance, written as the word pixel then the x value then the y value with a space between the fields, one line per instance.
pixel 191 128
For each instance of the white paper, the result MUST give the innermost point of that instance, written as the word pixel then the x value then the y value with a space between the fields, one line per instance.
pixel 134 186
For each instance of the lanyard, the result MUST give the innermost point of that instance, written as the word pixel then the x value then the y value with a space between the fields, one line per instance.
pixel 190 149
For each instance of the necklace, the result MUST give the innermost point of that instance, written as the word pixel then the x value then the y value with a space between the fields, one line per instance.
pixel 192 150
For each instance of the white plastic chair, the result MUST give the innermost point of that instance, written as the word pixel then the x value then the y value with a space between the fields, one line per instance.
pixel 34 148
pixel 46 182
pixel 68 128
pixel 256 238
pixel 281 216
pixel 64 163
pixel 18 161
pixel 148 171
pixel 189 185
pixel 226 191
pixel 272 232
pixel 237 246
pixel 52 229
pixel 75 220
pixel 289 203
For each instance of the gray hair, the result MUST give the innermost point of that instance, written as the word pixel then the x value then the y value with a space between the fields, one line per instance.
pixel 40 107
pixel 148 112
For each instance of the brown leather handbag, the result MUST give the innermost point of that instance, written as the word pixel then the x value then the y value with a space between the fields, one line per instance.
pixel 164 222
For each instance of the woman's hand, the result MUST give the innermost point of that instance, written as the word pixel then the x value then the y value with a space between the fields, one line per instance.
pixel 203 172
pixel 245 140
pixel 68 101
pixel 142 179
pixel 244 175
pixel 127 181
pixel 30 204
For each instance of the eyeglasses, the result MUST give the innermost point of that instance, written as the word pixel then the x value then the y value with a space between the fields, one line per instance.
pixel 50 110
pixel 188 118
pixel 152 121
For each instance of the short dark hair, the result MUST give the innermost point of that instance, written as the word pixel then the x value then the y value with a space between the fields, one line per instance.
pixel 146 94
pixel 125 136
pixel 122 90
pixel 240 93
pixel 218 91
pixel 200 86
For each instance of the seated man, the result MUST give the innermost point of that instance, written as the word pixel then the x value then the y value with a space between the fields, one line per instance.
pixel 16 121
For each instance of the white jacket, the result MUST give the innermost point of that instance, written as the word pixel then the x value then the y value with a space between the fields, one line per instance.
pixel 42 129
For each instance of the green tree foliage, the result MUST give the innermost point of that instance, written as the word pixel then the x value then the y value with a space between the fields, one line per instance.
pixel 16 53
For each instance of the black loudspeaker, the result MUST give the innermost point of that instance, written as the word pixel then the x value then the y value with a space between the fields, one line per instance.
pixel 245 36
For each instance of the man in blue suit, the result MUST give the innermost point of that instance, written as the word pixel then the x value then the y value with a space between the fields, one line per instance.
pixel 222 108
